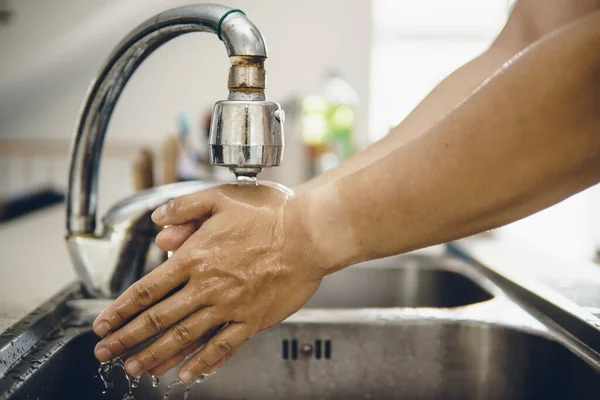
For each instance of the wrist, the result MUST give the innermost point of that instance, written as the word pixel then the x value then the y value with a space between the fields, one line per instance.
pixel 320 228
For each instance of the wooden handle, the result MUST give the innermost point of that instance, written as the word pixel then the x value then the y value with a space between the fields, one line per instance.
pixel 170 157
pixel 143 170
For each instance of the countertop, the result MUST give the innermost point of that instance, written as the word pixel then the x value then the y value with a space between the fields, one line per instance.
pixel 573 285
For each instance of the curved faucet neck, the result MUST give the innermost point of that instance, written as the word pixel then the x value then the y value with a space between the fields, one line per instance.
pixel 244 44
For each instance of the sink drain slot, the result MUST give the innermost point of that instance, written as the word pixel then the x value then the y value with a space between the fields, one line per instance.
pixel 292 350
pixel 328 349
pixel 318 349
pixel 285 349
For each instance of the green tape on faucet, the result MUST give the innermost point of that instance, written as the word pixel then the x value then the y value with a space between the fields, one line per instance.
pixel 223 19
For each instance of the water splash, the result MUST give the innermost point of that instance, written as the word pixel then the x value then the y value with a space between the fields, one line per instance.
pixel 106 372
pixel 246 180
pixel 129 384
pixel 168 391
pixel 188 390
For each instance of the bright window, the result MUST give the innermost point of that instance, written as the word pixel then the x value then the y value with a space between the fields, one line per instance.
pixel 417 44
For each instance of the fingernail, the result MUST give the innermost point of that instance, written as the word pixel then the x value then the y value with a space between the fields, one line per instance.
pixel 102 328
pixel 159 213
pixel 103 354
pixel 186 377
pixel 133 367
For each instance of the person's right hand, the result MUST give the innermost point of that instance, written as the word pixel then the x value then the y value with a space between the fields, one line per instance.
pixel 251 263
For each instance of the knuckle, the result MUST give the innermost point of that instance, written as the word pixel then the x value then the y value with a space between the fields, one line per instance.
pixel 153 322
pixel 201 364
pixel 190 258
pixel 182 335
pixel 119 315
pixel 185 259
pixel 123 341
pixel 223 347
pixel 177 204
pixel 152 356
pixel 141 295
pixel 232 297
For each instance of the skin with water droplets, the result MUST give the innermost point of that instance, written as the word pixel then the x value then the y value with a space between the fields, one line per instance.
pixel 473 186
pixel 244 254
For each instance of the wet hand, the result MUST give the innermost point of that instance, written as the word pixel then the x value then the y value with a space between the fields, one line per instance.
pixel 243 262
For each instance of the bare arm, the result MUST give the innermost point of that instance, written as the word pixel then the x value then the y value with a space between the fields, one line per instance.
pixel 529 21
pixel 527 139
pixel 440 101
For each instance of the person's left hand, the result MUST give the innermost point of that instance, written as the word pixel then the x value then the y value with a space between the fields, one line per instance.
pixel 246 261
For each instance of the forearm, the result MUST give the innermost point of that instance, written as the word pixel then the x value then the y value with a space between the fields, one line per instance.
pixel 526 140
pixel 530 21
pixel 438 102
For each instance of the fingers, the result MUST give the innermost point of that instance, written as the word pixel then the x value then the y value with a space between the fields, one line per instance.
pixel 185 208
pixel 223 360
pixel 162 368
pixel 149 324
pixel 210 356
pixel 175 340
pixel 141 295
pixel 172 237
pixel 165 366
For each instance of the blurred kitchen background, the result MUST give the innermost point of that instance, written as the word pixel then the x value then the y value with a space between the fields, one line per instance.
pixel 345 71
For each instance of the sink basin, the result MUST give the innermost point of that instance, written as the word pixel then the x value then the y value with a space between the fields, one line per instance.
pixel 408 360
pixel 391 283
pixel 393 329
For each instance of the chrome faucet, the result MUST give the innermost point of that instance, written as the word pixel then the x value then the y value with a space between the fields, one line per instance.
pixel 246 135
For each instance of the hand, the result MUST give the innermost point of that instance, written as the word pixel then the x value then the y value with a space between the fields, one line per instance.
pixel 247 265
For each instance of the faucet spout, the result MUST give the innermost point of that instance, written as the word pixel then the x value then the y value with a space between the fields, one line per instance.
pixel 246 132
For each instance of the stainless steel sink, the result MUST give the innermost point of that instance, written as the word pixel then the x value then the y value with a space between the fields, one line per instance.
pixel 489 348
pixel 411 360
pixel 397 282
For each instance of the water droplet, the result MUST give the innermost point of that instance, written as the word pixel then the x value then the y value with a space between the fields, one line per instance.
pixel 105 373
pixel 188 389
pixel 167 392
pixel 246 180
